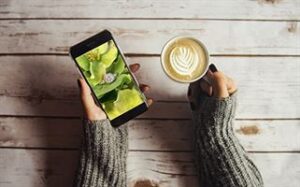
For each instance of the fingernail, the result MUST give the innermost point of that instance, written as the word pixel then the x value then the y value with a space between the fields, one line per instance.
pixel 79 83
pixel 149 101
pixel 145 89
pixel 136 66
pixel 213 68
pixel 192 106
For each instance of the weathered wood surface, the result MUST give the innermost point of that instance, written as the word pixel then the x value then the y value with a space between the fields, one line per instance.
pixel 46 86
pixel 148 36
pixel 41 168
pixel 30 107
pixel 151 135
pixel 255 42
pixel 189 9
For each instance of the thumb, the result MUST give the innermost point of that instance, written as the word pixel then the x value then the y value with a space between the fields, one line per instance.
pixel 85 95
pixel 219 84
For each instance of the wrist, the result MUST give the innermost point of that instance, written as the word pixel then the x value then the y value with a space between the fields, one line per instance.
pixel 95 116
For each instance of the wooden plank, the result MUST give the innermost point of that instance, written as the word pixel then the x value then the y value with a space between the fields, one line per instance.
pixel 190 9
pixel 56 168
pixel 26 106
pixel 149 36
pixel 46 86
pixel 255 135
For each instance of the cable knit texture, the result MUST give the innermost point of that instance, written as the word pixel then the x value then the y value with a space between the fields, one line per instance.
pixel 103 155
pixel 220 158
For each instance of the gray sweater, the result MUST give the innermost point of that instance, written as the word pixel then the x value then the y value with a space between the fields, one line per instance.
pixel 220 159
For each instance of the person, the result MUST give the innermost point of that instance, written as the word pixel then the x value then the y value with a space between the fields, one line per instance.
pixel 220 158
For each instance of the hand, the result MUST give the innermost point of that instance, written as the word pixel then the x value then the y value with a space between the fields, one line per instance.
pixel 221 86
pixel 93 111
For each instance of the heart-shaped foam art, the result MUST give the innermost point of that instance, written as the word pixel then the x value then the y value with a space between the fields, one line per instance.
pixel 184 60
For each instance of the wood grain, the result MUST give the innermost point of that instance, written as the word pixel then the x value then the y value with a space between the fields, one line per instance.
pixel 188 9
pixel 39 149
pixel 151 135
pixel 31 107
pixel 149 36
pixel 41 168
pixel 46 86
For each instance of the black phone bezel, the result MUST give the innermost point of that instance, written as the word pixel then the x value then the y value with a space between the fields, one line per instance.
pixel 91 43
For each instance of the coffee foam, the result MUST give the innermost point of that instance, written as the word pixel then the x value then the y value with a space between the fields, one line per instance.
pixel 184 59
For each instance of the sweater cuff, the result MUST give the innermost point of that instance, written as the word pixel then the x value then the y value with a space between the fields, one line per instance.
pixel 95 122
pixel 215 108
pixel 218 107
pixel 99 131
pixel 96 129
pixel 103 155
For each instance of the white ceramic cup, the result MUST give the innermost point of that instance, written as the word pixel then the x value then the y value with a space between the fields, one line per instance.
pixel 201 45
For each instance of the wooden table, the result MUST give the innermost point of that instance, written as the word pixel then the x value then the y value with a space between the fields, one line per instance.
pixel 257 42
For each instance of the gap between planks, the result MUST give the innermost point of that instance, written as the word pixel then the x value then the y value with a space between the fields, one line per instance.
pixel 136 150
pixel 152 55
pixel 149 19
pixel 145 118
pixel 204 9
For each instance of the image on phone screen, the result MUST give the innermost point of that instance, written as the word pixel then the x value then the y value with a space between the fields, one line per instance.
pixel 107 74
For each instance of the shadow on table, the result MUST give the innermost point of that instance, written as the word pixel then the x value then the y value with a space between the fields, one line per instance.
pixel 162 153
pixel 56 110
pixel 53 103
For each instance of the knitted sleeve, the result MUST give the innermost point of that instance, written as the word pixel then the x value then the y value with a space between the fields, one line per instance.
pixel 220 158
pixel 103 155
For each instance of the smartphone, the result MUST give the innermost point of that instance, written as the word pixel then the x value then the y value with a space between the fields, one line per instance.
pixel 114 88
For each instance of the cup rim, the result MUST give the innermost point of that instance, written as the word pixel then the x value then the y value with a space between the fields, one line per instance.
pixel 166 45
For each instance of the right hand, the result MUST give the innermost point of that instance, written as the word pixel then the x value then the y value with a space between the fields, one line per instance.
pixel 221 86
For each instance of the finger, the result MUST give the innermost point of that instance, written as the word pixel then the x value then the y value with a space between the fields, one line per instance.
pixel 134 67
pixel 219 84
pixel 193 89
pixel 194 92
pixel 85 95
pixel 206 87
pixel 144 87
pixel 213 68
pixel 149 102
pixel 231 86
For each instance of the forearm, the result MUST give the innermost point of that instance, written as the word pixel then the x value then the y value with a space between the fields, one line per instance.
pixel 103 155
pixel 221 160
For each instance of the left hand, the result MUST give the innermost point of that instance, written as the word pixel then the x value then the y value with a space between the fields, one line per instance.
pixel 91 110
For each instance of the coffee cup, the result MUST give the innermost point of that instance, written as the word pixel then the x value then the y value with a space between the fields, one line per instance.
pixel 185 59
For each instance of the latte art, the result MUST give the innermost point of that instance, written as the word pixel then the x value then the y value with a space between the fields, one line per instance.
pixel 184 60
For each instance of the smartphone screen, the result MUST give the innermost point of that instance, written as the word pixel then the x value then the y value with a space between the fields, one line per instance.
pixel 110 79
